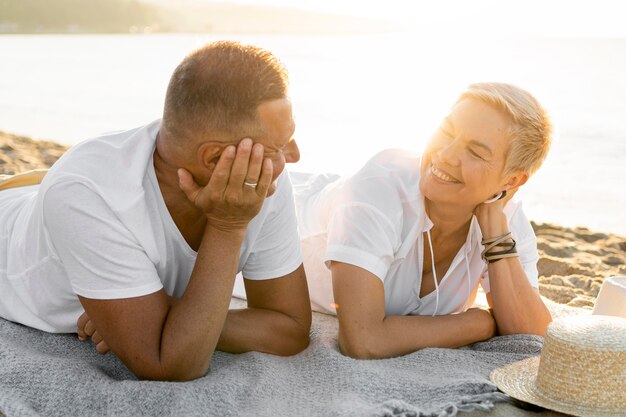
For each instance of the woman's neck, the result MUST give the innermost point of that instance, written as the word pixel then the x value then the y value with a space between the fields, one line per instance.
pixel 448 220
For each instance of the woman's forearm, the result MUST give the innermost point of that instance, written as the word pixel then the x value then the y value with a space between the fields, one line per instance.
pixel 517 306
pixel 400 335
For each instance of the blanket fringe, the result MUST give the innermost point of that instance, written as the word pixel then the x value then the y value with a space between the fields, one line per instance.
pixel 480 402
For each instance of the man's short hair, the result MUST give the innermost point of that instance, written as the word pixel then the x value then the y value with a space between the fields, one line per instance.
pixel 530 133
pixel 216 90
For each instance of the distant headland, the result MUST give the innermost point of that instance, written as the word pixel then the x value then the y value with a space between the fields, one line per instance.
pixel 187 16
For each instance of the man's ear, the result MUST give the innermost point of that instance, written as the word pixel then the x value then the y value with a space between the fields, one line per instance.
pixel 516 180
pixel 208 154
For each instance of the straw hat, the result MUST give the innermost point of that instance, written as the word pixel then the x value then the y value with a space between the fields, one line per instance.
pixel 581 371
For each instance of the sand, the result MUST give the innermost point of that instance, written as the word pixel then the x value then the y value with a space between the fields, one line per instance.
pixel 573 261
pixel 573 264
pixel 19 153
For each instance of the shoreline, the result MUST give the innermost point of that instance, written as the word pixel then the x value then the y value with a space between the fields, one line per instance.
pixel 574 261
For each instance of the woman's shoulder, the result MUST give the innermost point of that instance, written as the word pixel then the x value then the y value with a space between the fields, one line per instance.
pixel 391 171
pixel 395 159
pixel 385 182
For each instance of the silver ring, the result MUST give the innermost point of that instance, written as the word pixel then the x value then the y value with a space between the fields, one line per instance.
pixel 250 184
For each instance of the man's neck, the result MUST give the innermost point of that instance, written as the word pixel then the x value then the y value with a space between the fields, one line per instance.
pixel 183 211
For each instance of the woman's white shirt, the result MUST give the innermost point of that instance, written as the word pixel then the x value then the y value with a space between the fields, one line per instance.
pixel 376 220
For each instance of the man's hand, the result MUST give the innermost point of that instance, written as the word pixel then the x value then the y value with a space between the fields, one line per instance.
pixel 237 187
pixel 86 329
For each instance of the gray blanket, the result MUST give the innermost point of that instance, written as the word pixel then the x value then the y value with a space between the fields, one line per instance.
pixel 56 375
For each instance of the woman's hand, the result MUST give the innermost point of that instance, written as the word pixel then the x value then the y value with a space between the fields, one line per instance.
pixel 491 218
pixel 237 188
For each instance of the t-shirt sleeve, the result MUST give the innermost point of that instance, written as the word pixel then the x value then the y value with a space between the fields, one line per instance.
pixel 526 245
pixel 276 250
pixel 361 234
pixel 101 257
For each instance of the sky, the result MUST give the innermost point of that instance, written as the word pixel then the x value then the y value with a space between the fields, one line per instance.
pixel 571 18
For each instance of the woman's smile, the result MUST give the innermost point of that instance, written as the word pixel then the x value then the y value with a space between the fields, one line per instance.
pixel 442 176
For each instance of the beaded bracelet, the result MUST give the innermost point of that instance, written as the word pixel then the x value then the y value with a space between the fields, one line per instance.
pixel 508 252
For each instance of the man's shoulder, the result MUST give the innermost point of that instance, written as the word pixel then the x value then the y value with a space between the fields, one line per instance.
pixel 115 157
pixel 100 150
pixel 113 167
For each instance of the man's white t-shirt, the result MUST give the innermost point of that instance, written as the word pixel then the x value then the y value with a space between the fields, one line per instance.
pixel 376 220
pixel 98 227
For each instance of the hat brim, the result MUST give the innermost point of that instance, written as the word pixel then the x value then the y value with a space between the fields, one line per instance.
pixel 518 380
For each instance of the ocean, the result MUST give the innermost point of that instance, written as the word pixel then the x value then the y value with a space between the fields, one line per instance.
pixel 352 96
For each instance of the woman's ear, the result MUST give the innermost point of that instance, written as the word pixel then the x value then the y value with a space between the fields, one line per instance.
pixel 516 180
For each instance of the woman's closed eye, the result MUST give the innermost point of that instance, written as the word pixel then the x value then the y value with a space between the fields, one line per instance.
pixel 475 154
pixel 447 133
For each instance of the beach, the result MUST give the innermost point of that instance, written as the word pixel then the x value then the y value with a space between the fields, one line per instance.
pixel 573 261
pixel 354 93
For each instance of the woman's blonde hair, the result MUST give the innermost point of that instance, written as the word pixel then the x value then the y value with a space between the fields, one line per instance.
pixel 531 129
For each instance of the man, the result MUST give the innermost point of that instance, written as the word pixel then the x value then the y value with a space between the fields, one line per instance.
pixel 146 229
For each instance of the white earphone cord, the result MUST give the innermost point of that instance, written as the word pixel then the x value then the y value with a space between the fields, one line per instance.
pixel 432 260
pixel 468 284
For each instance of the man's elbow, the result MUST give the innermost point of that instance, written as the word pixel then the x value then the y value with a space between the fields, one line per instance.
pixel 180 372
pixel 358 346
pixel 297 334
pixel 295 342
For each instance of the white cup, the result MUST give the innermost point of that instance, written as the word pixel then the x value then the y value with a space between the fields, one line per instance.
pixel 611 299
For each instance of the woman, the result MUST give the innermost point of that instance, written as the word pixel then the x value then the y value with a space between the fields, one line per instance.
pixel 399 249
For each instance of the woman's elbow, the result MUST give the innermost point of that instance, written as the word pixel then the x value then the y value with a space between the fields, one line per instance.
pixel 536 326
pixel 540 327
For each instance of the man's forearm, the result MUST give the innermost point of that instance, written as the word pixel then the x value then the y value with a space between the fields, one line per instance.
pixel 262 330
pixel 160 337
pixel 255 329
pixel 194 323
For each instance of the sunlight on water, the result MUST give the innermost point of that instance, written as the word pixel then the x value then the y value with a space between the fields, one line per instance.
pixel 353 96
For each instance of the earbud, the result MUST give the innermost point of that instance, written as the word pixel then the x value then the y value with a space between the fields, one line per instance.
pixel 496 197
